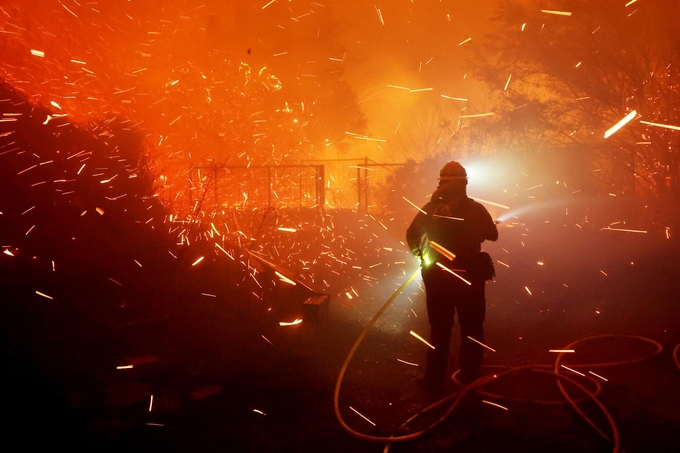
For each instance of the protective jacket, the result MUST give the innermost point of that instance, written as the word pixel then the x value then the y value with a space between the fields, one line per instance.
pixel 459 226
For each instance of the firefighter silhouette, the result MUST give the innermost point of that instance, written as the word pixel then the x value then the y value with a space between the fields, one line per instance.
pixel 447 238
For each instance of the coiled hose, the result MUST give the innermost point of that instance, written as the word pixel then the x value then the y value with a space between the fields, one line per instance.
pixel 454 399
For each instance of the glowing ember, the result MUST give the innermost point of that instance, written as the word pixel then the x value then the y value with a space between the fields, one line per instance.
pixel 284 279
pixel 627 119
pixel 421 339
pixel 407 363
pixel 494 404
pixel 452 272
pixel 481 344
pixel 572 370
pixel 361 415
pixel 447 254
pixel 598 376
pixel 558 13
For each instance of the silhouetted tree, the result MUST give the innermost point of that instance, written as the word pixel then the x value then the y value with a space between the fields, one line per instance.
pixel 564 72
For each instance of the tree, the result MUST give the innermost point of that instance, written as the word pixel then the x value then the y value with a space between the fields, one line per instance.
pixel 564 72
pixel 220 80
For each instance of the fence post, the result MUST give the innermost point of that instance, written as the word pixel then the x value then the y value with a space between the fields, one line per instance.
pixel 269 186
pixel 359 190
pixel 367 186
pixel 215 178
pixel 320 188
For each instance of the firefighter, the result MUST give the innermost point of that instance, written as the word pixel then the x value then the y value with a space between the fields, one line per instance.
pixel 447 237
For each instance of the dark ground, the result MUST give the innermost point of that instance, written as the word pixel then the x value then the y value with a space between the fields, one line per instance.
pixel 217 385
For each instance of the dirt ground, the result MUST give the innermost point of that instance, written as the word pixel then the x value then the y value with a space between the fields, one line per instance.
pixel 203 377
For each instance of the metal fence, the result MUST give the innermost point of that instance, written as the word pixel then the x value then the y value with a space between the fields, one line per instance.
pixel 351 184
pixel 240 187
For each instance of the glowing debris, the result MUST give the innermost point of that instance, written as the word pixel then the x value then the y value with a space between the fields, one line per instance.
pixel 481 344
pixel 7 252
pixel 626 119
pixel 478 115
pixel 557 13
pixel 38 53
pixel 100 211
pixel 421 339
pixel 665 126
pixel 560 351
pixel 284 279
pixel 44 295
pixel 289 230
pixel 267 340
pixel 453 98
pixel 572 370
pixel 258 411
pixel 452 272
pixel 377 10
pixel 598 376
pixel 507 83
pixel 125 367
pixel 464 41
pixel 441 249
pixel 362 416
pixel 150 403
pixel 528 290
pixel 197 261
pixel 414 205
pixel 291 323
pixel 494 404
pixel 398 87
pixel 446 217
pixel 407 363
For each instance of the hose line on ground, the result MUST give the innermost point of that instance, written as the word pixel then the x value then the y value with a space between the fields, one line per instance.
pixel 455 398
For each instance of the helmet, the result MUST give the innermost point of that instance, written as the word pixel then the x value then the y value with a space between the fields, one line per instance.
pixel 452 171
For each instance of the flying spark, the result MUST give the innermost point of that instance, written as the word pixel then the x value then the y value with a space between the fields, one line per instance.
pixel 452 272
pixel 407 363
pixel 482 344
pixel 421 339
pixel 362 416
pixel 448 254
pixel 572 370
pixel 494 404
pixel 627 119
pixel 557 13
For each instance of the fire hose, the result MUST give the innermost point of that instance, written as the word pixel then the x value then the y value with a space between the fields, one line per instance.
pixel 455 398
